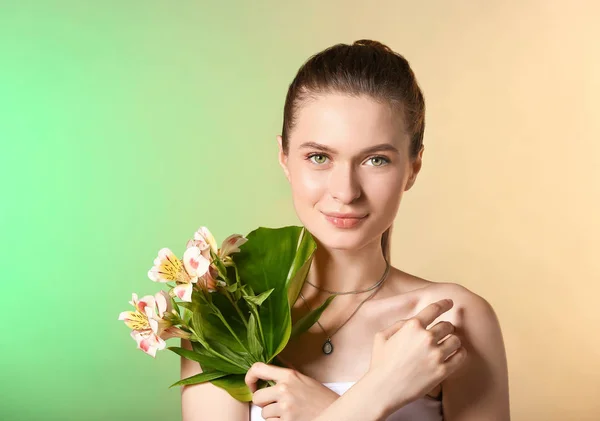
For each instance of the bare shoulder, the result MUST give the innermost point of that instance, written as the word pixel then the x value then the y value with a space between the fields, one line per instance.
pixel 423 292
pixel 470 309
pixel 483 376
pixel 406 295
pixel 461 295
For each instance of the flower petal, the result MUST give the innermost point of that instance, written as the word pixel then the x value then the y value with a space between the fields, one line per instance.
pixel 174 332
pixel 148 346
pixel 125 315
pixel 184 292
pixel 231 244
pixel 167 267
pixel 203 234
pixel 163 303
pixel 195 264
pixel 146 300
pixel 208 281
pixel 148 342
pixel 153 325
pixel 134 299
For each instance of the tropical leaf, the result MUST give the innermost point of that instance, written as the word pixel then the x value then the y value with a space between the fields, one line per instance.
pixel 212 329
pixel 236 386
pixel 260 298
pixel 200 378
pixel 253 339
pixel 275 258
pixel 208 361
pixel 306 247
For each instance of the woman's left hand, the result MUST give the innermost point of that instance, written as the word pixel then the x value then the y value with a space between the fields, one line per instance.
pixel 295 397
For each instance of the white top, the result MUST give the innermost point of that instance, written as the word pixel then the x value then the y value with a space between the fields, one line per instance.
pixel 424 409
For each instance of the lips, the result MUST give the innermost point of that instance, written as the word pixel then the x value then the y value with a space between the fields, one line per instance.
pixel 344 215
pixel 344 220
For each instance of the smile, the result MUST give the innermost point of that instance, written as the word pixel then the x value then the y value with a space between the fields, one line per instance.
pixel 343 221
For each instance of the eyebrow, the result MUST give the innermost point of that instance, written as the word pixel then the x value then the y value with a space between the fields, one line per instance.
pixel 377 148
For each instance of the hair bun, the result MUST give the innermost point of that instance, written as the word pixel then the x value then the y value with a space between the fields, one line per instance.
pixel 372 43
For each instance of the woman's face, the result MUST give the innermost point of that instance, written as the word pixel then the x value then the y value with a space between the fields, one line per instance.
pixel 348 157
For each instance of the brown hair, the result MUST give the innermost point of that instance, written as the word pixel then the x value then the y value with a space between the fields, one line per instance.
pixel 368 68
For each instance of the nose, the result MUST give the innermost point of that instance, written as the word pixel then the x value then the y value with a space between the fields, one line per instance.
pixel 344 183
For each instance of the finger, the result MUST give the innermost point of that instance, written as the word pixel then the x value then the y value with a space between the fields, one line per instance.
pixel 393 328
pixel 271 412
pixel 266 396
pixel 453 362
pixel 390 330
pixel 265 372
pixel 441 329
pixel 433 311
pixel 450 345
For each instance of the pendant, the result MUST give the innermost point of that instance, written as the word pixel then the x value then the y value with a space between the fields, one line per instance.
pixel 327 347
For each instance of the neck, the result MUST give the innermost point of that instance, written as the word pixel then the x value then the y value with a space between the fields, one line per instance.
pixel 347 270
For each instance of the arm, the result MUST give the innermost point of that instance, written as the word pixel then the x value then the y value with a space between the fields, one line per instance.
pixel 478 390
pixel 207 402
pixel 359 403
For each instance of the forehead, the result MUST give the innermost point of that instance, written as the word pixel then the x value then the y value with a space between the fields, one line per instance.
pixel 352 122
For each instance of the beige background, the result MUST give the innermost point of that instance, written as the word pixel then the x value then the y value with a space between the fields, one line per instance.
pixel 508 200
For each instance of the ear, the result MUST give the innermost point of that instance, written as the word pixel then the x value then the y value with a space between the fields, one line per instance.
pixel 415 168
pixel 283 157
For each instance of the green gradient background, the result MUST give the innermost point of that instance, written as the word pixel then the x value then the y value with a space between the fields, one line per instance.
pixel 124 127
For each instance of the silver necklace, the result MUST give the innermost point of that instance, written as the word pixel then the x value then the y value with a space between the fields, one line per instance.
pixel 328 346
pixel 351 292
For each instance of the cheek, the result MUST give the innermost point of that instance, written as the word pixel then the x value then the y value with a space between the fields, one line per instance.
pixel 307 186
pixel 385 193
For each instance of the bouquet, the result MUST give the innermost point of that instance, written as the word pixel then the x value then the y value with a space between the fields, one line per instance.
pixel 232 303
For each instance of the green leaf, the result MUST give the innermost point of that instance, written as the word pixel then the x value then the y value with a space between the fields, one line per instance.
pixel 253 339
pixel 186 316
pixel 197 322
pixel 212 328
pixel 200 378
pixel 190 306
pixel 310 318
pixel 247 289
pixel 207 361
pixel 236 386
pixel 232 288
pixel 260 298
pixel 300 266
pixel 175 305
pixel 275 258
pixel 241 358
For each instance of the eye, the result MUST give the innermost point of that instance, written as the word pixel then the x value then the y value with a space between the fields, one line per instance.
pixel 379 161
pixel 318 158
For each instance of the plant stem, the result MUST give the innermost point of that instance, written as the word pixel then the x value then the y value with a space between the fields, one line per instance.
pixel 237 276
pixel 253 309
pixel 228 295
pixel 220 266
pixel 260 329
pixel 220 316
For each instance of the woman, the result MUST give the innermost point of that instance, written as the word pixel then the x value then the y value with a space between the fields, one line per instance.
pixel 352 143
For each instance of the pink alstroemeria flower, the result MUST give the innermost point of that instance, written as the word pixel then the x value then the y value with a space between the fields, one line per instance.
pixel 148 324
pixel 231 245
pixel 205 241
pixel 167 267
